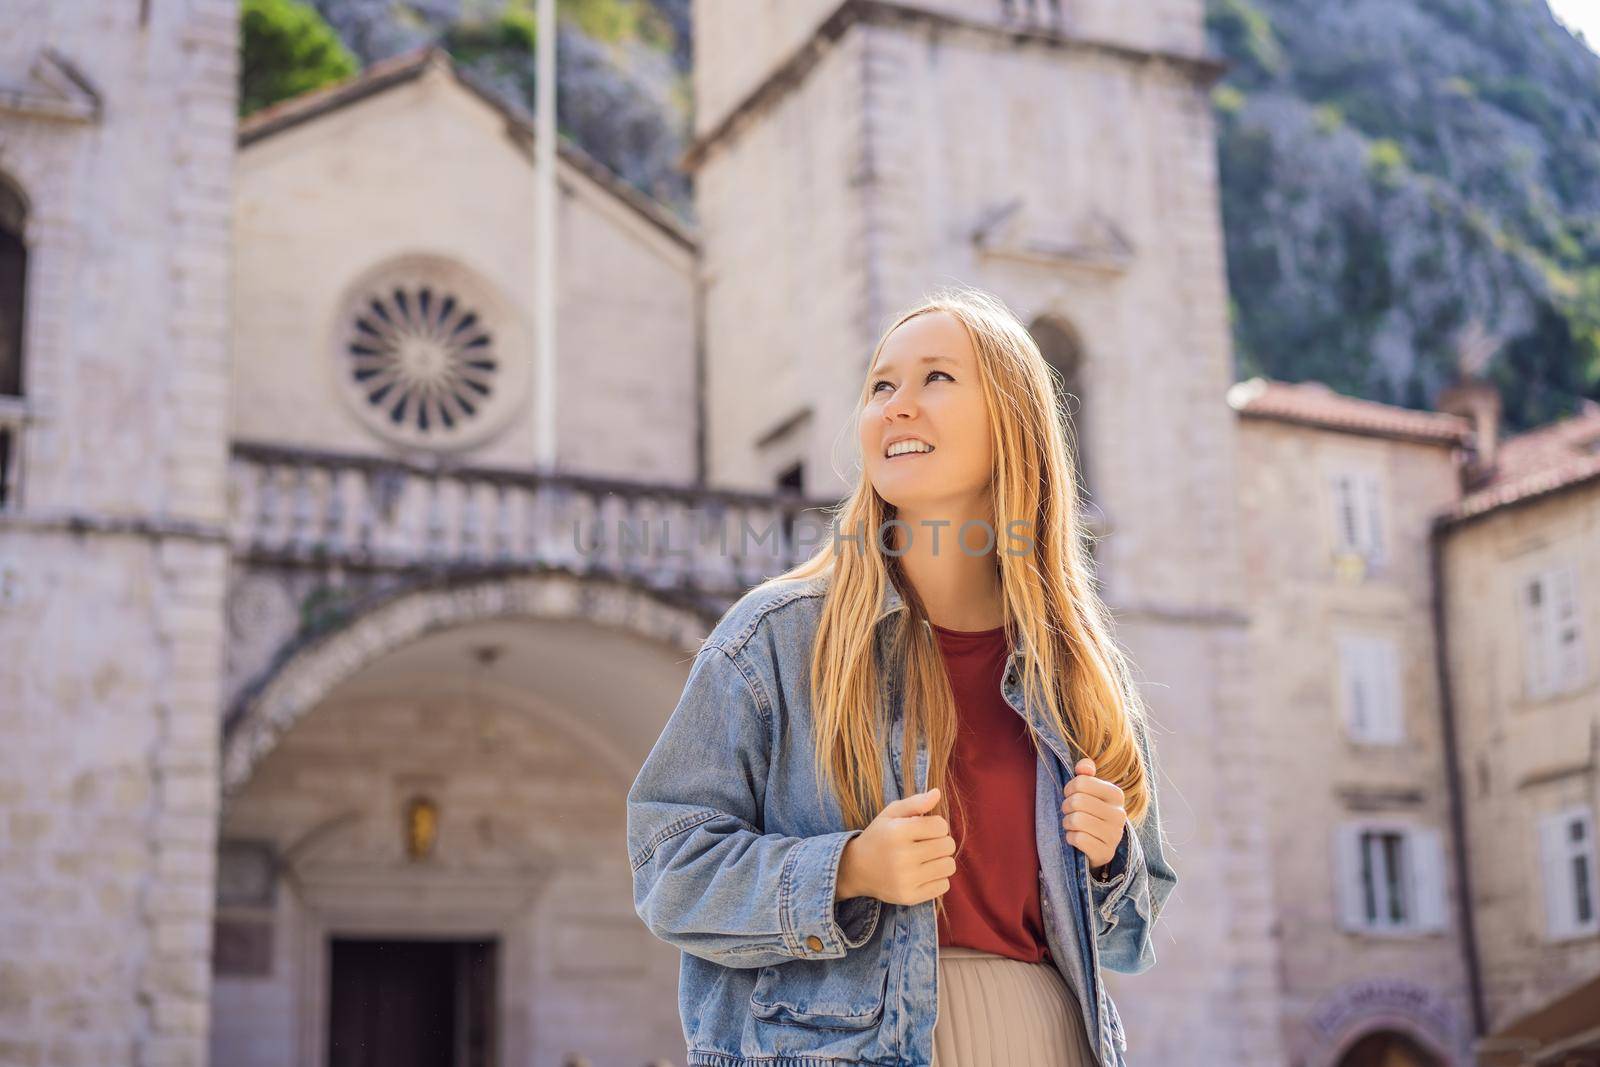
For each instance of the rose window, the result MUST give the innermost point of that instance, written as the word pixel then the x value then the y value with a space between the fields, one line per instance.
pixel 423 357
pixel 428 356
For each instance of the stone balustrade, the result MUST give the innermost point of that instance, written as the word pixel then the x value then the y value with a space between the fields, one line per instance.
pixel 291 505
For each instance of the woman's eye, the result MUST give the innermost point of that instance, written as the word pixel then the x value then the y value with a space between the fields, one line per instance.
pixel 885 381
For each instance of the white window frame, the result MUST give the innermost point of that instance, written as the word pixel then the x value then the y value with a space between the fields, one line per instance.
pixel 1419 879
pixel 1571 894
pixel 1370 691
pixel 1358 514
pixel 1553 655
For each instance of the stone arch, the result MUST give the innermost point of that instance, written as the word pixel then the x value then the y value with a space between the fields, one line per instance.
pixel 1428 1031
pixel 307 670
pixel 1393 1044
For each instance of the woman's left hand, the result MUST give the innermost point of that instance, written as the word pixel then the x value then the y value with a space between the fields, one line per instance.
pixel 1092 814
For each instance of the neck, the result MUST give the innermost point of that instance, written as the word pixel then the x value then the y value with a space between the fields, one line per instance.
pixel 959 588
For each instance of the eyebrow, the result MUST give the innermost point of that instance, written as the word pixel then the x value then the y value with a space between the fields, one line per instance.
pixel 926 359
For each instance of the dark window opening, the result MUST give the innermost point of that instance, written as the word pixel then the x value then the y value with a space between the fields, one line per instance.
pixel 13 287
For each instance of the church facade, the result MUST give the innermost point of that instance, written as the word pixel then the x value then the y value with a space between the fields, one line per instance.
pixel 321 719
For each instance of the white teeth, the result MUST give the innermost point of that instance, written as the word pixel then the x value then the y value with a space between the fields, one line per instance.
pixel 901 447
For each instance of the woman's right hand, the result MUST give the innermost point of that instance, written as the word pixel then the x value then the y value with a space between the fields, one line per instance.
pixel 903 856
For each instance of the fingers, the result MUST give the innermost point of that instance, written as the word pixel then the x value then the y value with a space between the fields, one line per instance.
pixel 1091 846
pixel 1107 830
pixel 1099 787
pixel 1093 804
pixel 912 805
pixel 925 827
pixel 1093 815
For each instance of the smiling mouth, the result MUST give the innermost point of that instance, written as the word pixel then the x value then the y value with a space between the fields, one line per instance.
pixel 919 448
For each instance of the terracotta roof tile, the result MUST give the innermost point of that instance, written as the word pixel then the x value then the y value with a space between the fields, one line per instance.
pixel 1534 464
pixel 1314 403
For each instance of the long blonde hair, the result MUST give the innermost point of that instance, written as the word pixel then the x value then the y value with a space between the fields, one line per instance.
pixel 1073 669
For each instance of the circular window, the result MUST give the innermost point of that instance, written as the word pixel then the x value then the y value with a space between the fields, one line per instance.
pixel 428 356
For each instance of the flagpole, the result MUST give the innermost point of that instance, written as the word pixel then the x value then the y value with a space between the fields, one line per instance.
pixel 545 239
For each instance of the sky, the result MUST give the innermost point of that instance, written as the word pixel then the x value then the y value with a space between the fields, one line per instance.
pixel 1581 15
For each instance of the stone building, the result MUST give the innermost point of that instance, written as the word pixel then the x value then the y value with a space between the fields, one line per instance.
pixel 1418 586
pixel 1337 501
pixel 116 163
pixel 434 810
pixel 1521 592
pixel 315 699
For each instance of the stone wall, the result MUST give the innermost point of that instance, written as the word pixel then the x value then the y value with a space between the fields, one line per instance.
pixel 109 688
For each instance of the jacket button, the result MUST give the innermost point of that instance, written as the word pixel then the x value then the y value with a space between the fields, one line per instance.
pixel 814 943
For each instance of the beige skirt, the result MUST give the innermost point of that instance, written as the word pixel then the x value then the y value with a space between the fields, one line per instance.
pixel 995 1011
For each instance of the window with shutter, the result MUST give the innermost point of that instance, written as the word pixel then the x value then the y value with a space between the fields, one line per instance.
pixel 1428 879
pixel 1535 639
pixel 1370 688
pixel 1567 856
pixel 1567 652
pixel 1350 874
pixel 1553 652
pixel 1391 877
pixel 1373 549
pixel 1358 515
pixel 1346 522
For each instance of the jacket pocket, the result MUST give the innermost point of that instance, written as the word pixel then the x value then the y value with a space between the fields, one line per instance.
pixel 846 993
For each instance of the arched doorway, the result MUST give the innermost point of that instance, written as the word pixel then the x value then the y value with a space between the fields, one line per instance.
pixel 1388 1048
pixel 423 840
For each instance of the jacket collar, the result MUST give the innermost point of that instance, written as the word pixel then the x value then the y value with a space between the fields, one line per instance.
pixel 892 602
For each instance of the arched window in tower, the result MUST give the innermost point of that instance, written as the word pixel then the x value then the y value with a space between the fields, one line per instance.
pixel 13 285
pixel 13 301
pixel 1059 344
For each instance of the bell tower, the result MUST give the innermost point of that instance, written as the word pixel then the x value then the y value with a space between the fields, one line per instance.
pixel 851 155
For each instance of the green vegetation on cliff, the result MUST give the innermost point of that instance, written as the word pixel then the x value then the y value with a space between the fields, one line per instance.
pixel 1391 171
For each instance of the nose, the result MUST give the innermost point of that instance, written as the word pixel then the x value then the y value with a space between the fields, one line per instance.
pixel 901 405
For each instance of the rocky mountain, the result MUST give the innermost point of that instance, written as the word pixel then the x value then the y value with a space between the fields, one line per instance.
pixel 1394 169
pixel 624 89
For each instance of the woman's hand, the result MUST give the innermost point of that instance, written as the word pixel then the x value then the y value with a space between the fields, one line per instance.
pixel 1092 814
pixel 902 857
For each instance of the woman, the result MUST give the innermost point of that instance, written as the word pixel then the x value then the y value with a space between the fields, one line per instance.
pixel 957 911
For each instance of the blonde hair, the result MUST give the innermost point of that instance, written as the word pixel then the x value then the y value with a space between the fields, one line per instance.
pixel 1073 669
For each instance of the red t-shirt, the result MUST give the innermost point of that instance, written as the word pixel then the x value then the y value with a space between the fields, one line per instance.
pixel 993 900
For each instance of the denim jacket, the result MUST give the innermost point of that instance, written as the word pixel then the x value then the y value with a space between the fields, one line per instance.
pixel 735 850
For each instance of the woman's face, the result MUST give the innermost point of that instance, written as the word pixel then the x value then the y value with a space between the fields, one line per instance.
pixel 925 386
